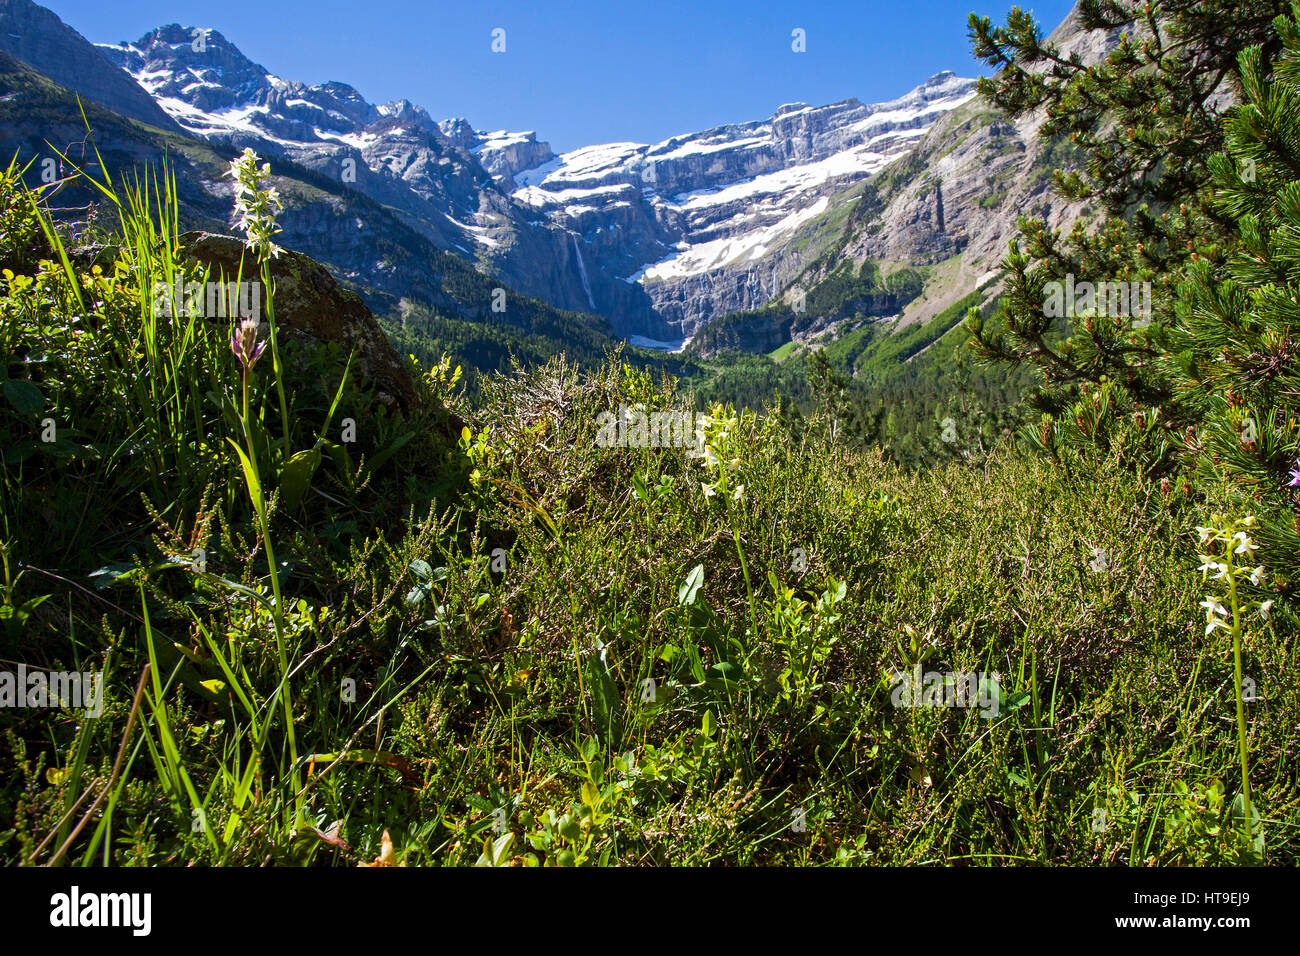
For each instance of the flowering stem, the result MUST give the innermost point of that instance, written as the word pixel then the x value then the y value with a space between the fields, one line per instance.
pixel 277 616
pixel 1247 827
pixel 256 208
pixel 744 569
pixel 275 352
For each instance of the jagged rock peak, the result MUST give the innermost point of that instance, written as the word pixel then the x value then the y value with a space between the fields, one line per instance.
pixel 459 132
pixel 196 65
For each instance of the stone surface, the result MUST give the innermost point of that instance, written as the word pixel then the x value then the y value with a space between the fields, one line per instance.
pixel 309 304
pixel 957 197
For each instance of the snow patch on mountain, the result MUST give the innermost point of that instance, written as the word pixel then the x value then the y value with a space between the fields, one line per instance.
pixel 706 256
pixel 728 195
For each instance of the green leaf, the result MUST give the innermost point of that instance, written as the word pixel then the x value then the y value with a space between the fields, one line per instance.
pixel 374 464
pixel 478 803
pixel 296 477
pixel 67 450
pixel 111 574
pixel 1237 814
pixel 569 829
pixel 250 475
pixel 338 396
pixel 19 452
pixel 1014 701
pixel 605 700
pixel 425 578
pixel 24 396
pixel 497 852
pixel 21 613
pixel 691 586
pixel 724 676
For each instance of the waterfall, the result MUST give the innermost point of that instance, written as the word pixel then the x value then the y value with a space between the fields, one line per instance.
pixel 582 273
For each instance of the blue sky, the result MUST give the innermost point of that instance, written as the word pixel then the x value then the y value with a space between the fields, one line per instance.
pixel 582 72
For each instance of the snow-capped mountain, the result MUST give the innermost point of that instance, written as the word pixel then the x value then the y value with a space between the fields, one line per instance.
pixel 699 220
pixel 661 238
pixel 393 152
pixel 730 191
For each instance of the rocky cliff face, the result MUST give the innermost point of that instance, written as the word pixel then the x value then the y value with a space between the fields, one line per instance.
pixel 951 205
pixel 447 181
pixel 710 223
pixel 393 153
pixel 40 39
pixel 503 154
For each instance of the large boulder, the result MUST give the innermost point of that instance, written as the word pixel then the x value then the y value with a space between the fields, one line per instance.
pixel 310 304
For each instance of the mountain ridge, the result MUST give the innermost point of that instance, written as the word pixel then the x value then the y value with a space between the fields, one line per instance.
pixel 660 241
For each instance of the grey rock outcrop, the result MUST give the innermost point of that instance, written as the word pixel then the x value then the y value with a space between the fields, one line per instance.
pixel 311 306
pixel 40 39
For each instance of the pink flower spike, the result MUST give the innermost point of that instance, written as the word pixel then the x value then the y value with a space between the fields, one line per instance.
pixel 244 343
